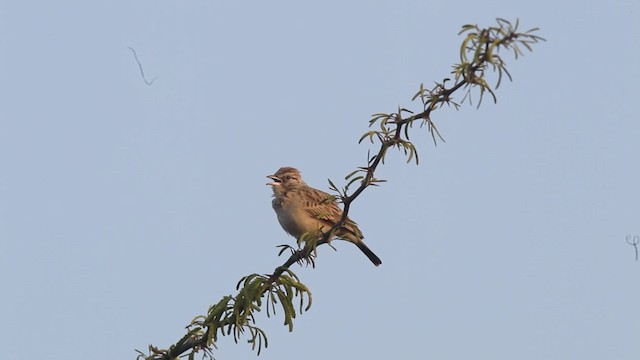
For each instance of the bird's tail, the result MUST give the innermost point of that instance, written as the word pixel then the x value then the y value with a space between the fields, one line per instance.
pixel 365 249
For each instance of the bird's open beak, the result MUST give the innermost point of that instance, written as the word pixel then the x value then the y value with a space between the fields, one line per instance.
pixel 276 180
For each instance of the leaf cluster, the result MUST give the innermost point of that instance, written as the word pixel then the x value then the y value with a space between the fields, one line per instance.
pixel 235 315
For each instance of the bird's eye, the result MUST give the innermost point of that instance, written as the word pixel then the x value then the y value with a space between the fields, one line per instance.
pixel 288 177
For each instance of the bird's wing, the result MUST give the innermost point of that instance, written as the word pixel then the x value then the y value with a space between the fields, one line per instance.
pixel 321 205
pixel 324 207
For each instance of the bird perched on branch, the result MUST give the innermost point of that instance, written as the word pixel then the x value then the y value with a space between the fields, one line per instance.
pixel 302 209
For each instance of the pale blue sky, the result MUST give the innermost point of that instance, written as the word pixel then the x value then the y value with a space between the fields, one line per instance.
pixel 127 209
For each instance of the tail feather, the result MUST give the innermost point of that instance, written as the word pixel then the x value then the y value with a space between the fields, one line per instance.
pixel 365 249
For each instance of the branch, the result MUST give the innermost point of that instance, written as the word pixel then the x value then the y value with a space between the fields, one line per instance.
pixel 135 56
pixel 479 52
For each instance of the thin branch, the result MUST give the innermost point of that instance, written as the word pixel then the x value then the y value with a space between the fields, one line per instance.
pixel 634 241
pixel 135 56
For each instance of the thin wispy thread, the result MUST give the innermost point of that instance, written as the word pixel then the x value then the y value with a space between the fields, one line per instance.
pixel 144 78
pixel 634 241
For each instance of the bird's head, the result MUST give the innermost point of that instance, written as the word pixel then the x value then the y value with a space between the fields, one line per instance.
pixel 286 178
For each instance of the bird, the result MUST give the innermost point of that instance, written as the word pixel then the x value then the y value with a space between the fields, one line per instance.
pixel 302 209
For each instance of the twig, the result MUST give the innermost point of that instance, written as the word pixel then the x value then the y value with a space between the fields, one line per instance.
pixel 634 241
pixel 140 66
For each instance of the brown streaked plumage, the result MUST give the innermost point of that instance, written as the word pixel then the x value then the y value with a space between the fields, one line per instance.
pixel 303 209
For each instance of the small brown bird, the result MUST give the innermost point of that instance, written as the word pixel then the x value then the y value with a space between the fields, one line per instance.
pixel 303 209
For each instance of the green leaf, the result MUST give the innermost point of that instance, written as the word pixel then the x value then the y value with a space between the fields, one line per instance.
pixel 351 174
pixel 332 186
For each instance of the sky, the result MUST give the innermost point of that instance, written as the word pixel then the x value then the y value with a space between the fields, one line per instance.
pixel 127 209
